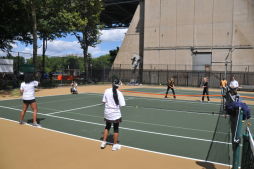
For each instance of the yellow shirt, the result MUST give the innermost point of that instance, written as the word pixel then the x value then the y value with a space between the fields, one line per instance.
pixel 223 83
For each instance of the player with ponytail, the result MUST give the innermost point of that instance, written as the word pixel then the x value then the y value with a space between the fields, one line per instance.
pixel 113 100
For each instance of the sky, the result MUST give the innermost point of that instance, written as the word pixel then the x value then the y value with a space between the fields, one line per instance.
pixel 110 39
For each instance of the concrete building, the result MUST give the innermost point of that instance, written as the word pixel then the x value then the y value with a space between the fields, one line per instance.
pixel 191 35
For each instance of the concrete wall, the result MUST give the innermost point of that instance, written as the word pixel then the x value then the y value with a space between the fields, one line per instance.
pixel 173 27
pixel 130 45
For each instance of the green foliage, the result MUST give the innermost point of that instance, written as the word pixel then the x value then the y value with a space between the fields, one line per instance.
pixel 59 64
pixel 88 35
pixel 113 54
pixel 50 19
pixel 101 62
pixel 14 23
pixel 105 61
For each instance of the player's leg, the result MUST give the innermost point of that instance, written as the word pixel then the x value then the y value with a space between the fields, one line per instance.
pixel 173 91
pixel 35 110
pixel 106 131
pixel 207 94
pixel 166 95
pixel 22 113
pixel 203 95
pixel 116 132
pixel 105 134
pixel 116 146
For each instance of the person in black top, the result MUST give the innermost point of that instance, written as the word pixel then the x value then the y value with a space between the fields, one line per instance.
pixel 205 89
pixel 170 85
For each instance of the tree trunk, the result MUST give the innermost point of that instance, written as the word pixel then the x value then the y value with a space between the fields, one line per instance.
pixel 85 52
pixel 34 33
pixel 44 48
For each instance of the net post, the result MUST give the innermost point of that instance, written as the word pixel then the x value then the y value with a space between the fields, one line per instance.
pixel 244 149
pixel 236 146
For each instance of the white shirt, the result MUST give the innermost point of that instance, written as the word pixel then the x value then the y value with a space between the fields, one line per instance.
pixel 234 84
pixel 74 85
pixel 112 111
pixel 28 90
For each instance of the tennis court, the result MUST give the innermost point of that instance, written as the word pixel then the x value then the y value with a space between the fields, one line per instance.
pixel 186 129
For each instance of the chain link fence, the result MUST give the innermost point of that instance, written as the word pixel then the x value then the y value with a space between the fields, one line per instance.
pixel 185 77
pixel 151 74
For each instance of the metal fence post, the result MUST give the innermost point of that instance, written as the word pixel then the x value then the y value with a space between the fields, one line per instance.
pixel 103 74
pixel 237 147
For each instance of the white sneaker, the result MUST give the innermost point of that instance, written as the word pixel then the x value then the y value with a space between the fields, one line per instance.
pixel 103 144
pixel 22 122
pixel 36 125
pixel 116 147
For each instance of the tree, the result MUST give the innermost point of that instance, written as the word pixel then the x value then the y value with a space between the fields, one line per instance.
pixel 49 20
pixel 113 54
pixel 54 21
pixel 101 62
pixel 72 62
pixel 14 23
pixel 31 8
pixel 88 34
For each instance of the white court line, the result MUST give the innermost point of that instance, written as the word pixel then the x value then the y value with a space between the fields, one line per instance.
pixel 75 109
pixel 149 151
pixel 163 99
pixel 54 101
pixel 153 124
pixel 12 108
pixel 45 96
pixel 175 100
pixel 130 129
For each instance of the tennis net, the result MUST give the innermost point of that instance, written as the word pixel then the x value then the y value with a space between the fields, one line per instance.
pixel 217 152
pixel 248 151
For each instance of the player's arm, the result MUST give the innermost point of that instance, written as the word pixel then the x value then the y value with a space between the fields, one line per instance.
pixel 104 99
pixel 21 91
pixel 173 85
pixel 121 99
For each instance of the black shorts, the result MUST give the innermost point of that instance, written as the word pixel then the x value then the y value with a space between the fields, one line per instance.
pixel 29 101
pixel 113 121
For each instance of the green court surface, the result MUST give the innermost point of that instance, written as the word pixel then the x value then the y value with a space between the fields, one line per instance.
pixel 188 129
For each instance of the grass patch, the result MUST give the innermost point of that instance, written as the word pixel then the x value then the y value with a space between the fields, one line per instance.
pixel 12 92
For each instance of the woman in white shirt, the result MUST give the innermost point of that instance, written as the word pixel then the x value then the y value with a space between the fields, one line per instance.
pixel 74 87
pixel 27 89
pixel 234 85
pixel 113 100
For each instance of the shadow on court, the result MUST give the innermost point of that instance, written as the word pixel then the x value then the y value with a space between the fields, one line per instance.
pixel 110 138
pixel 206 165
pixel 38 120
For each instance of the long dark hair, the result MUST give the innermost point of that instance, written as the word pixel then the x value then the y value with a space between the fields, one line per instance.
pixel 115 85
pixel 115 95
pixel 28 77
